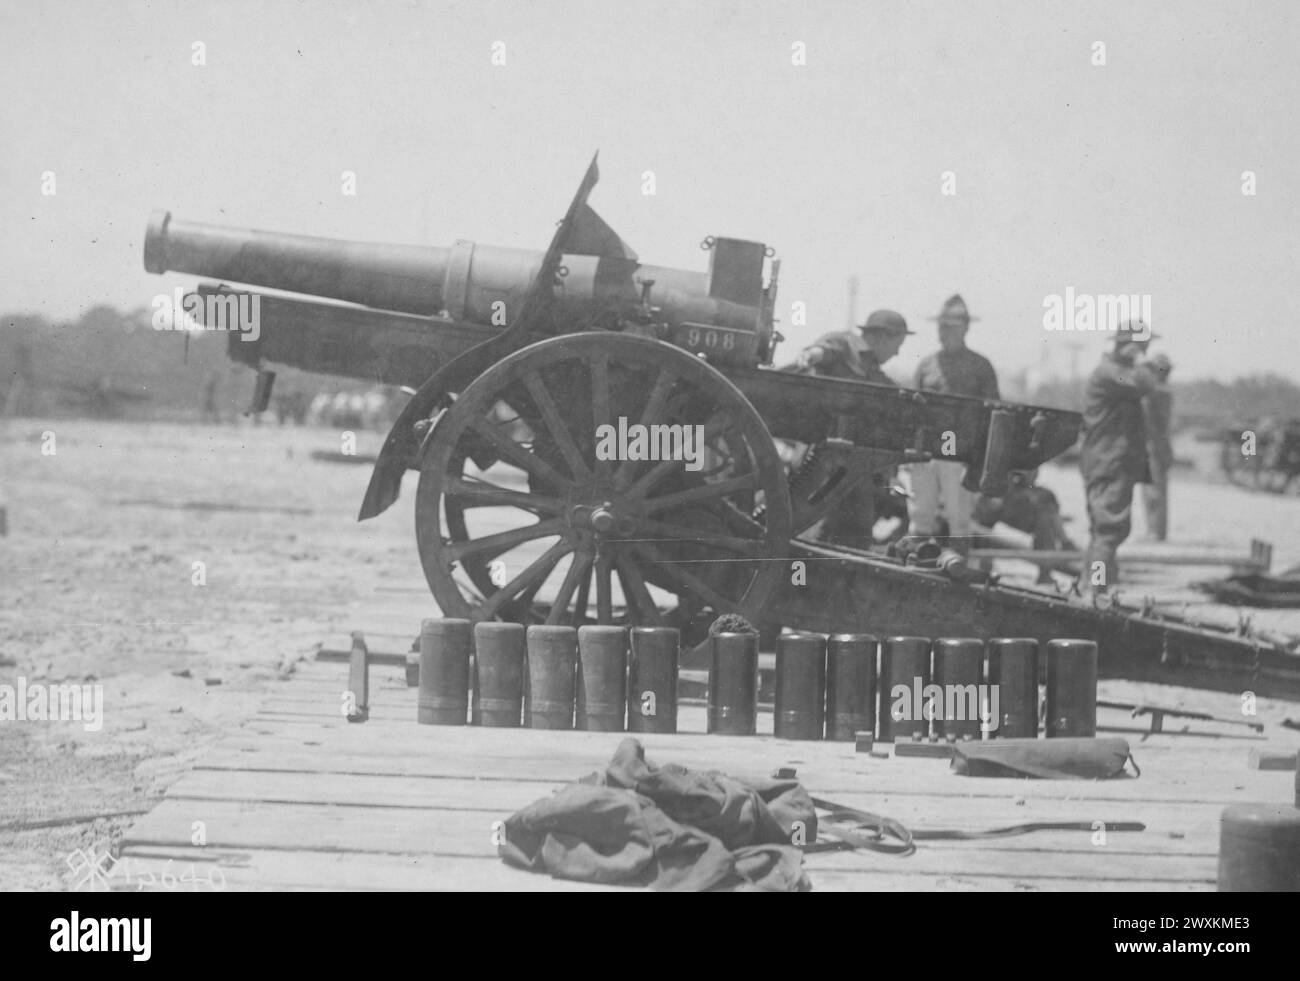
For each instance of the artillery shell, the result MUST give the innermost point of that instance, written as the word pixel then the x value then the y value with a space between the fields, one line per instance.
pixel 552 676
pixel 1259 848
pixel 1013 669
pixel 958 671
pixel 850 686
pixel 499 655
pixel 904 673
pixel 652 679
pixel 602 678
pixel 800 709
pixel 733 684
pixel 444 672
pixel 1071 688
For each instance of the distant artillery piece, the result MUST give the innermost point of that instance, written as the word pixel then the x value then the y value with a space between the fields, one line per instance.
pixel 1274 464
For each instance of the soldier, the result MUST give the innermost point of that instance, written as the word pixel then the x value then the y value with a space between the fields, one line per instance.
pixel 1160 452
pixel 846 355
pixel 1114 456
pixel 1032 509
pixel 953 370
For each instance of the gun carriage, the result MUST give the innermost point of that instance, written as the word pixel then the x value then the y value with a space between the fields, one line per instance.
pixel 521 362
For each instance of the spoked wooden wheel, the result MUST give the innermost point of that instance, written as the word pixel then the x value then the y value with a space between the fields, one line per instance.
pixel 537 514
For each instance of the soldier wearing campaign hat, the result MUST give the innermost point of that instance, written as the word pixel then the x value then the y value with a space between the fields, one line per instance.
pixel 844 354
pixel 954 369
pixel 1114 456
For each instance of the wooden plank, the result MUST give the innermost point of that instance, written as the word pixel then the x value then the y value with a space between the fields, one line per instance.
pixel 387 736
pixel 877 776
pixel 1149 555
pixel 260 869
pixel 965 812
pixel 299 799
pixel 469 833
pixel 1193 830
pixel 321 703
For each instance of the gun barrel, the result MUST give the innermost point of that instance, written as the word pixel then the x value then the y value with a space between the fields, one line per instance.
pixel 405 278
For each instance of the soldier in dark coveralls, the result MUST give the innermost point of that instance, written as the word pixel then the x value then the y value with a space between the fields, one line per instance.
pixel 844 354
pixel 1114 456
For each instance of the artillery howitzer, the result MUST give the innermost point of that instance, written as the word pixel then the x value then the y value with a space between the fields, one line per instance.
pixel 527 367
pixel 1274 464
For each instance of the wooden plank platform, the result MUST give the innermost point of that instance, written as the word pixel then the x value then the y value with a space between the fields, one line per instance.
pixel 298 798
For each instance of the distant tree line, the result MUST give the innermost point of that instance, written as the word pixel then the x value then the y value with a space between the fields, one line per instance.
pixel 113 364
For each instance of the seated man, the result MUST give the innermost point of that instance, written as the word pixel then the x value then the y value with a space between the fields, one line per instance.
pixel 1033 510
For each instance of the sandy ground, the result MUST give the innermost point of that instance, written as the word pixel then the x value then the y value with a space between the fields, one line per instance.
pixel 1204 511
pixel 97 587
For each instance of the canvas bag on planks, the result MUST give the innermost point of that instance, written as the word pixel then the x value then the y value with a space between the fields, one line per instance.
pixel 1048 759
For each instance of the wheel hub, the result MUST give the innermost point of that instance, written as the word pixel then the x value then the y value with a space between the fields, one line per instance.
pixel 604 518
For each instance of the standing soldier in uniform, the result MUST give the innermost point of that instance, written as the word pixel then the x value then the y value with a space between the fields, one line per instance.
pixel 1114 456
pixel 1159 407
pixel 847 355
pixel 953 370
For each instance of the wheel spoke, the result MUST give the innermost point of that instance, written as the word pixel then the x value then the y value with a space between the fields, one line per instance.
pixel 517 455
pixel 577 569
pixel 525 599
pixel 505 540
pixel 536 573
pixel 600 399
pixel 688 579
pixel 555 424
pixel 738 522
pixel 653 477
pixel 604 592
pixel 681 533
pixel 657 473
pixel 634 586
pixel 483 494
pixel 653 408
pixel 584 592
pixel 704 492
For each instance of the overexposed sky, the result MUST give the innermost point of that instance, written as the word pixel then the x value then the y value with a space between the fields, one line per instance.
pixel 1122 178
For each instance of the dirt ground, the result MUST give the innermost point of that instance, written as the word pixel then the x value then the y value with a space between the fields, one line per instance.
pixel 98 586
